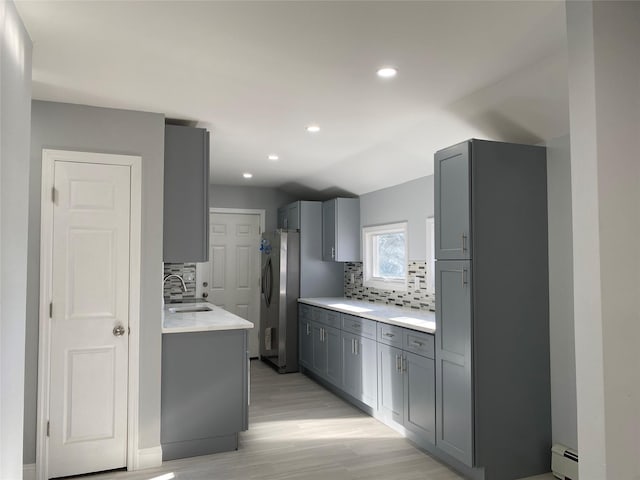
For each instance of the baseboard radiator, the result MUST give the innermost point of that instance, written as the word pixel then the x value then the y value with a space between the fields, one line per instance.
pixel 564 462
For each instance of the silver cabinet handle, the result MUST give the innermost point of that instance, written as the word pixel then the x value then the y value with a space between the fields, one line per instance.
pixel 356 325
pixel 308 328
pixel 388 334
pixel 118 331
pixel 403 363
pixel 398 363
pixel 333 252
pixel 464 277
pixel 417 343
pixel 322 334
pixel 464 242
pixel 355 342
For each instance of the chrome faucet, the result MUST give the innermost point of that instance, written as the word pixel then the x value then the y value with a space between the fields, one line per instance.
pixel 173 275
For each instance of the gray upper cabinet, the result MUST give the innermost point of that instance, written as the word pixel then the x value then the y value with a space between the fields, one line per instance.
pixel 282 217
pixel 452 197
pixel 186 195
pixel 289 216
pixel 493 409
pixel 341 230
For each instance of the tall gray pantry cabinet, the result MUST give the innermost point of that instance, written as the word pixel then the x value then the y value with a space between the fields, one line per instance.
pixel 493 407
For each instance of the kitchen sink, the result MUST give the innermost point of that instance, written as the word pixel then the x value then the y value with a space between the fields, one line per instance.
pixel 190 309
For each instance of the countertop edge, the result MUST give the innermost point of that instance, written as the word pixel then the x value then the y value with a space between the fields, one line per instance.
pixel 370 316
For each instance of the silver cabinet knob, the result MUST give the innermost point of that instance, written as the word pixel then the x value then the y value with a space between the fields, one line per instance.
pixel 118 331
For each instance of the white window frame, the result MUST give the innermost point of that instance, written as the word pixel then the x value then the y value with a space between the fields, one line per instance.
pixel 368 252
pixel 431 259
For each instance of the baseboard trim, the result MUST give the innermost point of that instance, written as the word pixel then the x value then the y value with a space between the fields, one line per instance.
pixel 149 458
pixel 29 471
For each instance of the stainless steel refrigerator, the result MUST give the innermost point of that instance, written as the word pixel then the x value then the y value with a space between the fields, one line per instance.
pixel 280 289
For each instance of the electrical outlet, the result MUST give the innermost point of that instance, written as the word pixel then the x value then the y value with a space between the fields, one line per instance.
pixel 352 278
pixel 189 277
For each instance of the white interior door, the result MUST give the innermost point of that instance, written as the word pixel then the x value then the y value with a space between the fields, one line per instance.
pixel 90 298
pixel 233 271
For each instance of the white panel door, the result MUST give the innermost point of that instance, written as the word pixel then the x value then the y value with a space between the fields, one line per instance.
pixel 233 271
pixel 90 293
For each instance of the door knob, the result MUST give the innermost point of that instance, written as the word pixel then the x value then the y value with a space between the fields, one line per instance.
pixel 118 331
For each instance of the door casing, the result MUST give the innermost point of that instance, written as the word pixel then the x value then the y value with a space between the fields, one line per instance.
pixel 49 157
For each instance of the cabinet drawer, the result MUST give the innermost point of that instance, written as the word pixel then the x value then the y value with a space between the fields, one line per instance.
pixel 359 326
pixel 326 317
pixel 390 334
pixel 418 342
pixel 305 312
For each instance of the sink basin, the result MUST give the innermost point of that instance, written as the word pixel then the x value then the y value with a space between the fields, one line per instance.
pixel 189 309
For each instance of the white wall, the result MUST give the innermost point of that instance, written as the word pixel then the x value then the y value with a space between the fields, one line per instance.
pixel 410 201
pixel 79 127
pixel 15 110
pixel 604 93
pixel 561 332
pixel 268 199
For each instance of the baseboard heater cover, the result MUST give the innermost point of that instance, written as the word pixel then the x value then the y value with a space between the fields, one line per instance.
pixel 564 462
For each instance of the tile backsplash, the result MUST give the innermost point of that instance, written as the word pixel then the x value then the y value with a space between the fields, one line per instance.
pixel 416 298
pixel 173 287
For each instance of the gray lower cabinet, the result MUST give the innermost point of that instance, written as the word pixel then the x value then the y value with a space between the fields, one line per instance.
pixel 305 342
pixel 406 391
pixel 359 372
pixel 204 392
pixel 326 357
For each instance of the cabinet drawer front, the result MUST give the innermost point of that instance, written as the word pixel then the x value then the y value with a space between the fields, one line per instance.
pixel 419 342
pixel 305 312
pixel 326 317
pixel 390 334
pixel 359 326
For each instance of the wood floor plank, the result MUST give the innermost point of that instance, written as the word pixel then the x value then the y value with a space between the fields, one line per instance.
pixel 299 430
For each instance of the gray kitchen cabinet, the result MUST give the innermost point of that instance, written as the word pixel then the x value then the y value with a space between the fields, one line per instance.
pixel 208 371
pixel 420 396
pixel 289 216
pixel 341 230
pixel 452 203
pixel 305 348
pixel 186 195
pixel 326 357
pixel 453 369
pixel 282 217
pixel 359 372
pixel 390 384
pixel 493 412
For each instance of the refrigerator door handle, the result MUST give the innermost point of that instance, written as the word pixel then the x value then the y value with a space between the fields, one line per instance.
pixel 270 281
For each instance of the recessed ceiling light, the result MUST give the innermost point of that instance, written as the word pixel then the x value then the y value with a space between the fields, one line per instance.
pixel 387 72
pixel 313 128
pixel 247 175
pixel 273 157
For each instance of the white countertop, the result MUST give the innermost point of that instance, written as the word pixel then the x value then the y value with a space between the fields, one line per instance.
pixel 175 321
pixel 420 320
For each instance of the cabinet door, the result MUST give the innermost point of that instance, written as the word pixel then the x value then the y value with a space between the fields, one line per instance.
pixel 305 343
pixel 333 345
pixel 293 216
pixel 282 217
pixel 452 202
pixel 366 352
pixel 319 350
pixel 186 194
pixel 329 230
pixel 420 396
pixel 390 383
pixel 454 394
pixel 351 368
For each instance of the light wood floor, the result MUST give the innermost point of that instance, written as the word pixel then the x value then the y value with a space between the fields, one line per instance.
pixel 299 430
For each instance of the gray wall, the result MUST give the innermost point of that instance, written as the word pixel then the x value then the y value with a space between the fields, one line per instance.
pixel 15 111
pixel 411 201
pixel 77 127
pixel 269 199
pixel 563 361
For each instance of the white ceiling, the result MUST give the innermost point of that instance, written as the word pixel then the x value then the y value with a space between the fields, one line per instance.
pixel 256 73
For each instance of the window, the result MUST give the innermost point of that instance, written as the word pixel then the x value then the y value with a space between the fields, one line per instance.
pixel 385 256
